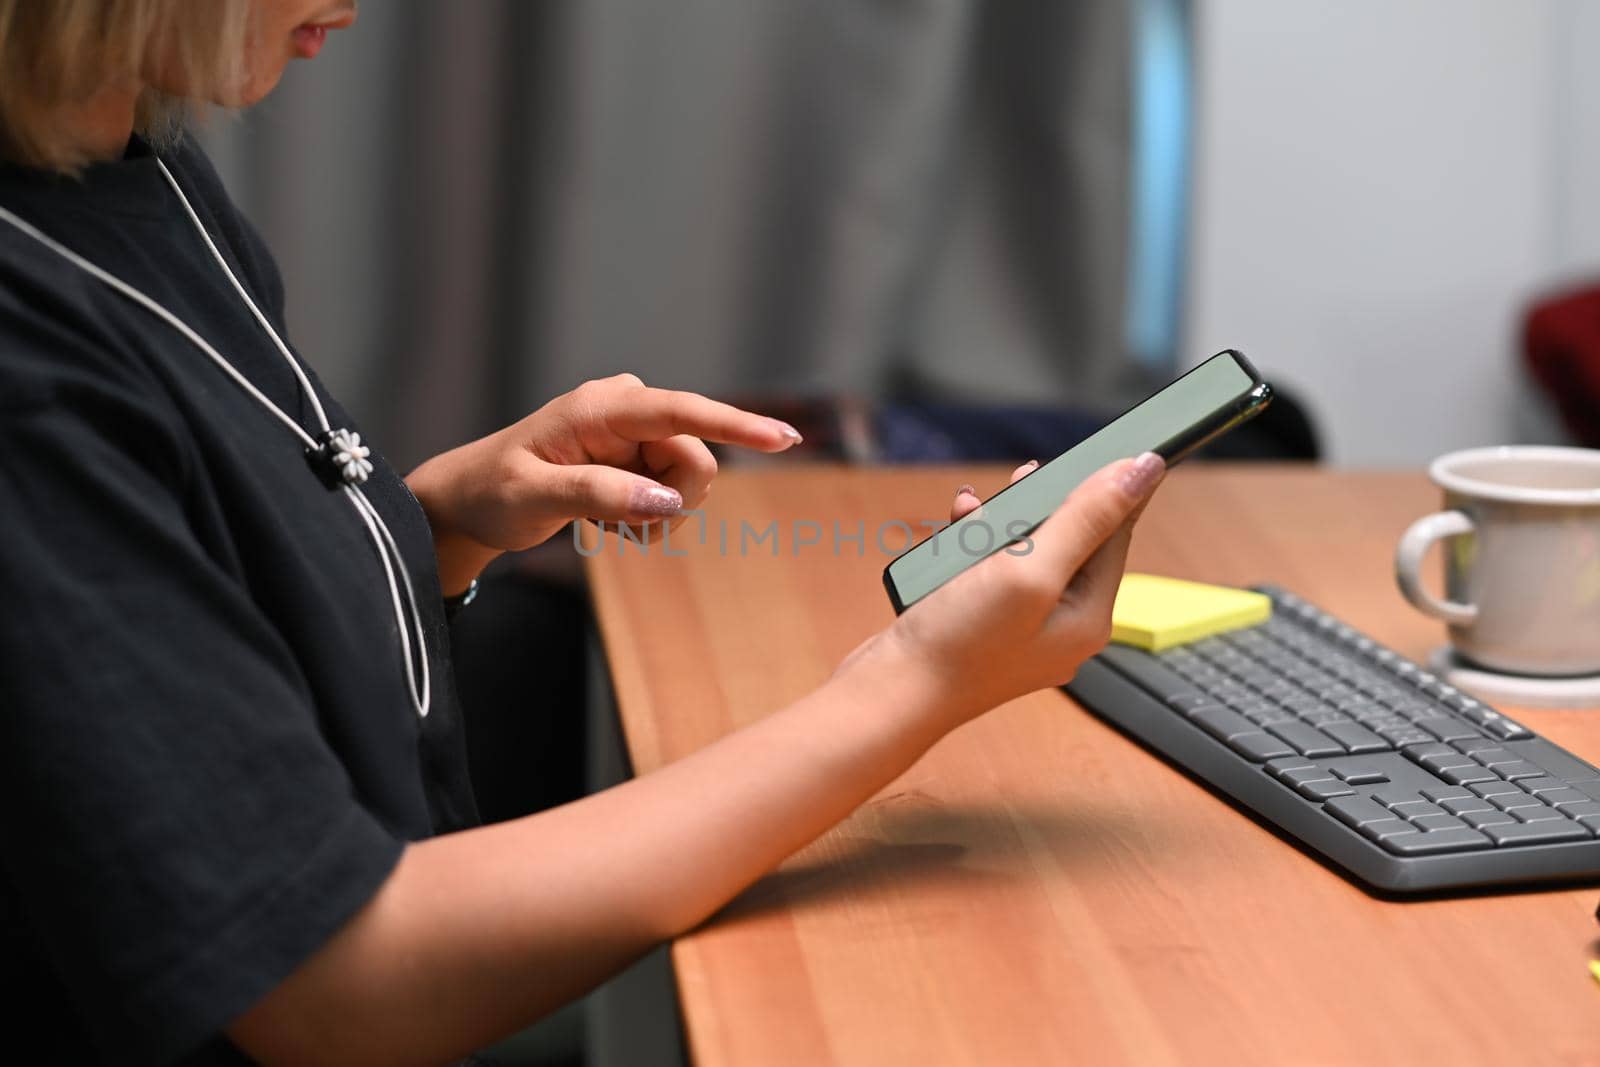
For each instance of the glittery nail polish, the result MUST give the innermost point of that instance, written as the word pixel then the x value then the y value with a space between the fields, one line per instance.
pixel 654 500
pixel 1141 477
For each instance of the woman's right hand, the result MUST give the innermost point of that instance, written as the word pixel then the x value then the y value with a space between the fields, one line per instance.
pixel 1026 620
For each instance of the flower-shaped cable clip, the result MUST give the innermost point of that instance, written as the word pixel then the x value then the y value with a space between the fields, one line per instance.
pixel 340 459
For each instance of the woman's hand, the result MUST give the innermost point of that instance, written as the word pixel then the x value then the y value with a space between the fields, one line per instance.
pixel 612 449
pixel 1026 617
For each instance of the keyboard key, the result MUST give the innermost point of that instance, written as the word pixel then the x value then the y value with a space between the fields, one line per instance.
pixel 1539 814
pixel 1296 776
pixel 1383 828
pixel 1189 700
pixel 1500 726
pixel 1512 772
pixel 1491 789
pixel 1307 740
pixel 1416 809
pixel 1198 709
pixel 1538 786
pixel 1366 776
pixel 1357 811
pixel 1554 761
pixel 1404 735
pixel 1393 795
pixel 1355 737
pixel 1324 789
pixel 1436 841
pixel 1468 775
pixel 1426 749
pixel 1535 833
pixel 1466 804
pixel 1437 822
pixel 1450 728
pixel 1591 821
pixel 1259 746
pixel 1512 801
pixel 1440 793
pixel 1480 819
pixel 1222 723
pixel 1279 767
pixel 1443 761
pixel 1576 811
pixel 1488 752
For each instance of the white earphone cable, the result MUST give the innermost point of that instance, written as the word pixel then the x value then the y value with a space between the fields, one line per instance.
pixel 216 253
pixel 379 530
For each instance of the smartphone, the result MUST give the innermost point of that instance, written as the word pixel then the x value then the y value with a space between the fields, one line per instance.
pixel 1205 403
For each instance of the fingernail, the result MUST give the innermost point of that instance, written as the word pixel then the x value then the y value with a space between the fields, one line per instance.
pixel 654 500
pixel 1142 475
pixel 1031 463
pixel 967 489
pixel 791 434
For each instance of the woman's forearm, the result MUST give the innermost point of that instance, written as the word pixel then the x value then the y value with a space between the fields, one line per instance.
pixel 460 561
pixel 478 933
pixel 461 558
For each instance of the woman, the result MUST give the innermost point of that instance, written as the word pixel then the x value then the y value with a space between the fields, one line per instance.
pixel 238 824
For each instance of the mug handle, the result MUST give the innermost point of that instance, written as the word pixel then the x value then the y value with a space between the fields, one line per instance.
pixel 1414 544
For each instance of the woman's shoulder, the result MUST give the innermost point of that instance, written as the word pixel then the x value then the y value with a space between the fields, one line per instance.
pixel 52 337
pixel 66 353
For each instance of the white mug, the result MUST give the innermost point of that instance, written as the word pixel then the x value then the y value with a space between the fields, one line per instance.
pixel 1522 569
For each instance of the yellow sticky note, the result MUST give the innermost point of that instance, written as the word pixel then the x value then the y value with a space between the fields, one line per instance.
pixel 1156 613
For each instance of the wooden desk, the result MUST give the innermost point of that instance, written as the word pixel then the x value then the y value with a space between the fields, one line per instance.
pixel 1039 889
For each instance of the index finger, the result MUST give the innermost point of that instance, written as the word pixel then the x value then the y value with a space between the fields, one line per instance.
pixel 656 414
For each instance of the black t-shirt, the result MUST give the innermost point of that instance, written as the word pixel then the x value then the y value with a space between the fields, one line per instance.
pixel 209 759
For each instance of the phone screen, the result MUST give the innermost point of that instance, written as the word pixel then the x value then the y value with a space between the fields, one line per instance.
pixel 1211 398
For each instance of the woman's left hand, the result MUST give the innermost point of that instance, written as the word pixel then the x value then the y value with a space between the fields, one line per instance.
pixel 613 449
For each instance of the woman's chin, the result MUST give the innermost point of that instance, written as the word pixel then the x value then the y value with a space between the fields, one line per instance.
pixel 253 89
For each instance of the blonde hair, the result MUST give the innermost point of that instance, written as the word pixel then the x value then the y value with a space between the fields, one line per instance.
pixel 56 53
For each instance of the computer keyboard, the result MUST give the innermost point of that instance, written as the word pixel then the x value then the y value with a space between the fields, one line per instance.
pixel 1360 754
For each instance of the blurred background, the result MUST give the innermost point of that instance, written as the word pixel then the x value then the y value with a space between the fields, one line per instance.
pixel 931 210
pixel 923 230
